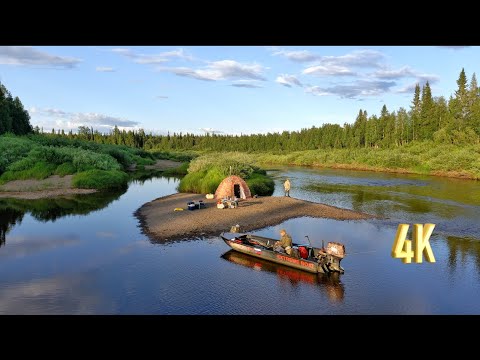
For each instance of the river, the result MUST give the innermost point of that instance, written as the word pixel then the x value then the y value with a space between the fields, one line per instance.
pixel 87 255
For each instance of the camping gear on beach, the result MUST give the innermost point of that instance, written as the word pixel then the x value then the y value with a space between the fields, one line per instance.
pixel 192 205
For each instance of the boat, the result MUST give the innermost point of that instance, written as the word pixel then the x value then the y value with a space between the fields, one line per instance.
pixel 306 257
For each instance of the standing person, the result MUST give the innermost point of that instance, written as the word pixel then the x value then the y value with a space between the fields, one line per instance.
pixel 286 186
pixel 285 243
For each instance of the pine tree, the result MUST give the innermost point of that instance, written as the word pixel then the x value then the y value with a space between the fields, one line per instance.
pixel 415 110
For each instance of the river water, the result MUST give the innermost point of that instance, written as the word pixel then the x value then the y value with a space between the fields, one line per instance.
pixel 87 255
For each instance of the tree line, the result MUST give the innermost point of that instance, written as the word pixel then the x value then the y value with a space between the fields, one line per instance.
pixel 455 120
pixel 13 117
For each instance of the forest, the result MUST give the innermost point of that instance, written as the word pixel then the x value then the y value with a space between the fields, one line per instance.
pixel 455 120
pixel 434 135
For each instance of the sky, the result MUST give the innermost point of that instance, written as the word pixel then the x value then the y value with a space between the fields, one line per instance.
pixel 223 89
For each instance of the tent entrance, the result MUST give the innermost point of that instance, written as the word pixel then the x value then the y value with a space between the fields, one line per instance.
pixel 236 191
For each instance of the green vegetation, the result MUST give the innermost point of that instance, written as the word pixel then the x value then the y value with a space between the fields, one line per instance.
pixel 182 170
pixel 36 156
pixel 206 172
pixel 100 179
pixel 418 158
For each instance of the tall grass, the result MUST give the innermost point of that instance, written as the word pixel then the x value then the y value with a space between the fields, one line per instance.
pixel 100 179
pixel 39 171
pixel 182 170
pixel 202 182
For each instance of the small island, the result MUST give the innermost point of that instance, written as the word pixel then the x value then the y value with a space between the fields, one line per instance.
pixel 160 222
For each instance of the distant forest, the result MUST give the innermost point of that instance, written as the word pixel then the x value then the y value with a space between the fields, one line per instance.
pixel 452 121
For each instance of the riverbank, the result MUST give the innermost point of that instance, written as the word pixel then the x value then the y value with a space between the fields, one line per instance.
pixel 159 220
pixel 356 167
pixel 59 186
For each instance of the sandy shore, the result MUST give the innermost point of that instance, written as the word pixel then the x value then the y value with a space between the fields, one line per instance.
pixel 56 186
pixel 159 221
pixel 52 186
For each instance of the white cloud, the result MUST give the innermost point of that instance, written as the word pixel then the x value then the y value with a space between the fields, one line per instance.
pixel 316 90
pixel 221 70
pixel 298 56
pixel 359 88
pixel 288 80
pixel 431 78
pixel 328 70
pixel 28 56
pixel 153 59
pixel 405 72
pixel 104 69
pixel 251 84
pixel 358 58
pixel 58 119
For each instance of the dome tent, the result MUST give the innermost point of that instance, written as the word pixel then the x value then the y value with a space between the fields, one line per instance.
pixel 233 186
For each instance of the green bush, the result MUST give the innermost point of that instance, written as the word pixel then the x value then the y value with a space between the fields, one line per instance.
pixel 39 171
pixel 100 179
pixel 66 168
pixel 261 185
pixel 182 170
pixel 202 182
pixel 12 149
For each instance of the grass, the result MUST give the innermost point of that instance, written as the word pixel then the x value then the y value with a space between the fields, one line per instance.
pixel 182 170
pixel 100 179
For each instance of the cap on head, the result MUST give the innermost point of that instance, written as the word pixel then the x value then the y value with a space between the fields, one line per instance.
pixel 282 231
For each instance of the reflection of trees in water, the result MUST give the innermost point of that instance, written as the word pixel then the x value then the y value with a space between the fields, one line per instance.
pixel 331 283
pixel 51 209
pixel 460 248
pixel 8 218
pixel 141 176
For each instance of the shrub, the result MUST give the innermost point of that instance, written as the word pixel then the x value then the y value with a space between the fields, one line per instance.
pixel 100 179
pixel 261 185
pixel 39 171
pixel 182 170
pixel 66 168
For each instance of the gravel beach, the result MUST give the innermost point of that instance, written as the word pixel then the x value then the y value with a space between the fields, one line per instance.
pixel 159 220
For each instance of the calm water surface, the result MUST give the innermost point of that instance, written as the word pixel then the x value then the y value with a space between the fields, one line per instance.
pixel 86 255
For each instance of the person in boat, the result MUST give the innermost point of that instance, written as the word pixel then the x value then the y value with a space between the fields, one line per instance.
pixel 284 244
pixel 286 186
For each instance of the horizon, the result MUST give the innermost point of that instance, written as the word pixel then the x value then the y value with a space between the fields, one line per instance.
pixel 223 90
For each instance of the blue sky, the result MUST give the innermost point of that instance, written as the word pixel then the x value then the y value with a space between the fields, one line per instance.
pixel 223 89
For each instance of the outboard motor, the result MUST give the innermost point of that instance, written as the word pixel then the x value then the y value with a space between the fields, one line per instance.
pixel 331 257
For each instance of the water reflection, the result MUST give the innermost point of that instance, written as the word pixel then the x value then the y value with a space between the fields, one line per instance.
pixel 8 219
pixel 141 176
pixel 12 211
pixel 462 249
pixel 331 284
pixel 51 209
